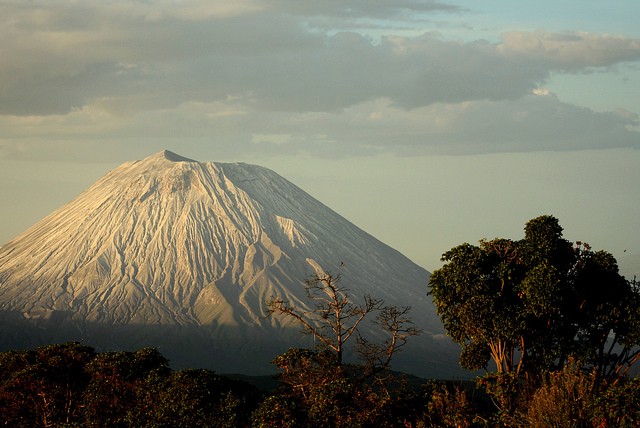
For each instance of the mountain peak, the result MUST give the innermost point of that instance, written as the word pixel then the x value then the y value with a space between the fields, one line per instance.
pixel 170 156
pixel 183 255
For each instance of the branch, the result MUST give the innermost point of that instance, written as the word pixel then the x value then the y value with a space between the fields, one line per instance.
pixel 282 307
pixel 393 320
pixel 370 305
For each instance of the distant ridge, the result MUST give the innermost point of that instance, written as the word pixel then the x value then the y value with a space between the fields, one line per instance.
pixel 182 255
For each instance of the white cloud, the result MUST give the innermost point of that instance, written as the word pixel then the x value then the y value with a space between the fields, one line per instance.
pixel 541 92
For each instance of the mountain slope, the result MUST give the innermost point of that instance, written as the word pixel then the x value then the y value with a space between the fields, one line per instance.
pixel 183 255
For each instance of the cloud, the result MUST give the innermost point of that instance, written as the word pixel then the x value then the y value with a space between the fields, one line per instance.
pixel 570 51
pixel 233 130
pixel 384 9
pixel 256 76
pixel 197 10
pixel 532 123
pixel 66 55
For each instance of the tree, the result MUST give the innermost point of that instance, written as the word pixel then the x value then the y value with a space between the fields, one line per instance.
pixel 317 388
pixel 335 317
pixel 43 387
pixel 117 378
pixel 476 296
pixel 194 398
pixel 529 305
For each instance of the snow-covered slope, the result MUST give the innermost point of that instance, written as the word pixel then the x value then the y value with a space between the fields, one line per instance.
pixel 183 255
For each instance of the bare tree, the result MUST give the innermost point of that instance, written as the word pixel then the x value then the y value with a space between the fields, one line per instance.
pixel 399 327
pixel 334 319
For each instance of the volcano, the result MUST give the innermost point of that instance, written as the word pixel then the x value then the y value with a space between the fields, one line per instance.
pixel 183 255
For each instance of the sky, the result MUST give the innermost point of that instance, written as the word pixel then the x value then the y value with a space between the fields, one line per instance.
pixel 427 123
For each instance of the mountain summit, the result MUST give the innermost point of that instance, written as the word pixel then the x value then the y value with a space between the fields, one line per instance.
pixel 181 255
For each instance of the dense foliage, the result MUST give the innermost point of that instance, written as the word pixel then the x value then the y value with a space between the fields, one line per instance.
pixel 557 320
pixel 72 385
pixel 531 304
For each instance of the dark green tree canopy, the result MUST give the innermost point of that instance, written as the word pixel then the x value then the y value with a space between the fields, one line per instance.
pixel 530 304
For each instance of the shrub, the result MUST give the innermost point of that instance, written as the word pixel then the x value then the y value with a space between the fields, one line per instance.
pixel 619 405
pixel 565 399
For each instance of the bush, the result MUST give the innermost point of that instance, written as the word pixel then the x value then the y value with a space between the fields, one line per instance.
pixel 195 398
pixel 619 405
pixel 508 392
pixel 565 399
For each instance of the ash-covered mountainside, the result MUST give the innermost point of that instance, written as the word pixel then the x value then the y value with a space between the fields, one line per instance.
pixel 182 255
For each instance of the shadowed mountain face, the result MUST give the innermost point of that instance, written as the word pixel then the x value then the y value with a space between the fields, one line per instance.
pixel 182 255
